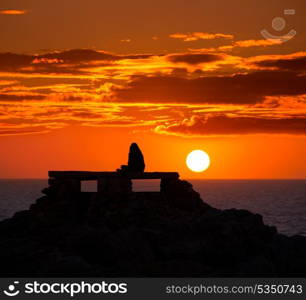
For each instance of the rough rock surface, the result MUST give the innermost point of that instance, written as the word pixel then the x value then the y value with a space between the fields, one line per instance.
pixel 172 233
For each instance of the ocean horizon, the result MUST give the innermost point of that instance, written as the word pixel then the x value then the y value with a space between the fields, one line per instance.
pixel 281 202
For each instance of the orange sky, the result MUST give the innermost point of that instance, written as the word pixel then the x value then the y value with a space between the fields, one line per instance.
pixel 80 82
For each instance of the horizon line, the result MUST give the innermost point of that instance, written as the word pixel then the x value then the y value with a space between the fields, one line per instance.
pixel 46 178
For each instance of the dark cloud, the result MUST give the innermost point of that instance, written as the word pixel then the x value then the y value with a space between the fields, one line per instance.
pixel 87 55
pixel 297 64
pixel 79 55
pixel 238 89
pixel 194 59
pixel 16 97
pixel 11 61
pixel 28 64
pixel 224 125
pixel 66 62
pixel 49 81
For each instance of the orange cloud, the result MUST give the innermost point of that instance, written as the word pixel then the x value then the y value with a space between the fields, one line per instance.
pixel 240 44
pixel 7 82
pixel 13 11
pixel 257 43
pixel 229 125
pixel 195 36
pixel 44 60
pixel 96 88
pixel 295 62
pixel 56 113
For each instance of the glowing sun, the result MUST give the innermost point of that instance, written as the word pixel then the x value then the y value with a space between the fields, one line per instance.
pixel 197 161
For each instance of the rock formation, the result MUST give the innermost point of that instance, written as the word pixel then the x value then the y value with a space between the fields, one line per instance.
pixel 173 233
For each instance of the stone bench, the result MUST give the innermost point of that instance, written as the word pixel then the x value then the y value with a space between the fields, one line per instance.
pixel 107 182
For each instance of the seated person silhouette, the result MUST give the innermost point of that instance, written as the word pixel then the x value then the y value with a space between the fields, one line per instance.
pixel 135 161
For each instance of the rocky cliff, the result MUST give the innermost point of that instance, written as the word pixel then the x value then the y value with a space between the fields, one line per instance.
pixel 168 234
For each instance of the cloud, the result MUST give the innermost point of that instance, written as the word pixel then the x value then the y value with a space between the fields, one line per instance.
pixel 7 82
pixel 182 78
pixel 237 89
pixel 76 62
pixel 20 97
pixel 44 60
pixel 93 64
pixel 256 43
pixel 79 55
pixel 224 125
pixel 194 58
pixel 195 36
pixel 12 61
pixel 97 88
pixel 28 117
pixel 87 55
pixel 13 11
pixel 52 63
pixel 240 44
pixel 296 62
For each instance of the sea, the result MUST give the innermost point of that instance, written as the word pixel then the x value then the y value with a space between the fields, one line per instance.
pixel 282 203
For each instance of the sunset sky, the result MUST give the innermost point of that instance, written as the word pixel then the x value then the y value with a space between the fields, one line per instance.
pixel 81 80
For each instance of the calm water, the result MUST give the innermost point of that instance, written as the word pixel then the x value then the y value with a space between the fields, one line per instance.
pixel 281 202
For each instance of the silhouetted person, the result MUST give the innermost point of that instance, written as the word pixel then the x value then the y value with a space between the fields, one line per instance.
pixel 136 161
